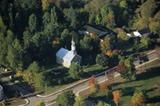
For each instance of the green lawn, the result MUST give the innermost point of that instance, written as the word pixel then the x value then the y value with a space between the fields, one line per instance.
pixel 147 82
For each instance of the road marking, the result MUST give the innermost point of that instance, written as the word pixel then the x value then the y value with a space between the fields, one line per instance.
pixel 27 102
pixel 51 103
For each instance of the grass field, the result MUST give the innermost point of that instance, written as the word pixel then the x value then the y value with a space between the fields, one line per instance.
pixel 148 82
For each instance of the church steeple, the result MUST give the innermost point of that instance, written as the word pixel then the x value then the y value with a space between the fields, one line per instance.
pixel 73 47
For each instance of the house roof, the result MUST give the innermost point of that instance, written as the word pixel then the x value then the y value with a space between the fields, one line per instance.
pixel 144 31
pixel 137 34
pixel 94 29
pixel 66 54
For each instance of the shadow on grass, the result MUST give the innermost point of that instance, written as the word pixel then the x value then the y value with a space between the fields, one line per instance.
pixel 155 99
pixel 153 72
pixel 91 73
pixel 128 90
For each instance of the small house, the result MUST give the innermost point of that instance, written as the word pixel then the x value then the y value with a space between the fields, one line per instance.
pixel 143 32
pixel 93 30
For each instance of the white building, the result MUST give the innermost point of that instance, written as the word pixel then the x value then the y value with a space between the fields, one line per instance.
pixel 66 57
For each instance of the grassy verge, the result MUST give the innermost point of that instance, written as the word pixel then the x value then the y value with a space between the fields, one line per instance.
pixel 147 82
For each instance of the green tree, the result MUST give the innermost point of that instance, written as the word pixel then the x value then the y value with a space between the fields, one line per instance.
pixel 123 4
pixel 66 99
pixel 129 70
pixel 138 98
pixel 122 35
pixel 148 8
pixel 50 22
pixel 2 25
pixel 66 37
pixel 39 81
pixel 12 57
pixel 74 70
pixel 101 59
pixel 145 42
pixel 34 67
pixel 111 19
pixel 27 36
pixel 34 75
pixel 71 15
pixel 3 50
pixel 106 44
pixel 154 24
pixel 86 43
pixel 32 23
pixel 27 4
pixel 80 101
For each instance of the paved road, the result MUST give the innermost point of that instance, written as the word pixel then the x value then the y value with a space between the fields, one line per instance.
pixel 80 87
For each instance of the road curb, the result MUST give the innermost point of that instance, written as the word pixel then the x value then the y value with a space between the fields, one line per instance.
pixel 27 102
pixel 71 86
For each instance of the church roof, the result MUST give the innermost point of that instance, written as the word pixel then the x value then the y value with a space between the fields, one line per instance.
pixel 65 54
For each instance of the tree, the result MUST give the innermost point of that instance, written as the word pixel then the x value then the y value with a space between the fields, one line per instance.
pixel 148 8
pixel 3 50
pixel 71 15
pixel 86 43
pixel 101 59
pixel 74 71
pixel 34 75
pixel 129 70
pixel 39 81
pixel 123 36
pixel 110 19
pixel 27 4
pixel 116 97
pixel 93 85
pixel 105 44
pixel 106 17
pixel 45 4
pixel 50 22
pixel 154 24
pixel 65 99
pixel 79 101
pixel 14 54
pixel 2 25
pixel 27 36
pixel 100 103
pixel 123 4
pixel 66 37
pixel 34 67
pixel 32 23
pixel 138 98
pixel 145 42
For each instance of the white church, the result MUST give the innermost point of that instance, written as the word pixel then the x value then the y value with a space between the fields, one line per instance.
pixel 67 57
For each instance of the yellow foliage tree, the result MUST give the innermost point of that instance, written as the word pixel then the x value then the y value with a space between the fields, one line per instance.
pixel 116 96
pixel 45 4
pixel 138 99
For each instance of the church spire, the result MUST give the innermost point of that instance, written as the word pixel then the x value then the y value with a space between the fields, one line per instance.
pixel 73 47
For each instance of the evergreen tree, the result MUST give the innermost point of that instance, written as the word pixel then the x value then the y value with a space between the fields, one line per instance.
pixel 32 23
pixel 80 101
pixel 74 70
pixel 66 99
